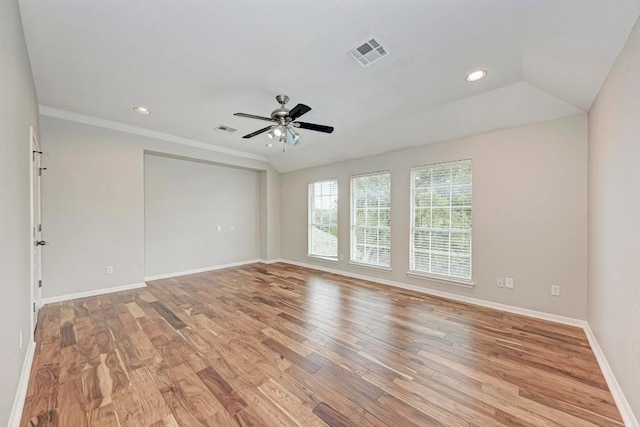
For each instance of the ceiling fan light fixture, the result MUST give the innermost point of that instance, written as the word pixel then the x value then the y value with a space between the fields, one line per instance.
pixel 474 76
pixel 294 134
pixel 277 131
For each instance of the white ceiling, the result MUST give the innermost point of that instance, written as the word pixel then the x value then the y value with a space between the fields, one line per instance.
pixel 194 63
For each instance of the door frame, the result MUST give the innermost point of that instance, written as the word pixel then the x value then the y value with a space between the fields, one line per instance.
pixel 35 264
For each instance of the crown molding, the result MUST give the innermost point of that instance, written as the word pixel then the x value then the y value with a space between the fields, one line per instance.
pixel 135 130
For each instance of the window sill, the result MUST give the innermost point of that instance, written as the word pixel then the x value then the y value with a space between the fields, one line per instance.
pixel 442 279
pixel 369 266
pixel 323 258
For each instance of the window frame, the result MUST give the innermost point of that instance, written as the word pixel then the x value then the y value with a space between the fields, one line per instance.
pixel 310 223
pixel 353 226
pixel 445 278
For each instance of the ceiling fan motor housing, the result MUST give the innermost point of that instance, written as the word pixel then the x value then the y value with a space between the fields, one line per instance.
pixel 280 113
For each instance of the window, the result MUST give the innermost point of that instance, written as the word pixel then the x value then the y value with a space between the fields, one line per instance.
pixel 371 219
pixel 441 220
pixel 323 219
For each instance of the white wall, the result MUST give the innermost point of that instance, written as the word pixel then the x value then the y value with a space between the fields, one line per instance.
pixel 185 202
pixel 92 209
pixel 18 110
pixel 93 203
pixel 614 219
pixel 529 213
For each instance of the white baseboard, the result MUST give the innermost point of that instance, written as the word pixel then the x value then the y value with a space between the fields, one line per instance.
pixel 102 291
pixel 618 396
pixel 270 261
pixel 461 298
pixel 202 270
pixel 23 384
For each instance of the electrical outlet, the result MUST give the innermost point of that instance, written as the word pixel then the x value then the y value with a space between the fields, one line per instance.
pixel 500 282
pixel 109 269
pixel 233 227
pixel 508 282
pixel 20 339
pixel 219 228
pixel 555 290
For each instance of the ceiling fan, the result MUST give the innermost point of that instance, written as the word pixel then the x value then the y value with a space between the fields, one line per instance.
pixel 285 123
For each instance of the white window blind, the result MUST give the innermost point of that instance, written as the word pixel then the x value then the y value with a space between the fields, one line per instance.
pixel 441 219
pixel 323 218
pixel 371 219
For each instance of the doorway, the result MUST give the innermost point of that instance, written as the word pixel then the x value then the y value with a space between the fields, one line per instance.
pixel 36 226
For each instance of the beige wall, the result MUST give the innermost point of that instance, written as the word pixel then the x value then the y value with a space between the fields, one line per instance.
pixel 614 219
pixel 185 202
pixel 271 181
pixel 529 213
pixel 18 111
pixel 93 204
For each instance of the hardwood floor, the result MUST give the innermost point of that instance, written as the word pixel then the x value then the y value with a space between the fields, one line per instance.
pixel 282 345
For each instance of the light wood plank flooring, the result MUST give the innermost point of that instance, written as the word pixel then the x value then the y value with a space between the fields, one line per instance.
pixel 278 345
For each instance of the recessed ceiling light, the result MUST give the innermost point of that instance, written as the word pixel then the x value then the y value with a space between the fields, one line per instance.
pixel 142 110
pixel 476 75
pixel 269 145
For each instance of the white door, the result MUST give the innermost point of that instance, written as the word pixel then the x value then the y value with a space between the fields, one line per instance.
pixel 36 226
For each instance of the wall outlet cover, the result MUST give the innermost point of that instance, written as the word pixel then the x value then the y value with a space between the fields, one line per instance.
pixel 500 282
pixel 555 290
pixel 109 269
pixel 508 282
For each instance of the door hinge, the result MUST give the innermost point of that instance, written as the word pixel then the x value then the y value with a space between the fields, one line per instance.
pixel 40 171
pixel 39 227
pixel 39 283
pixel 34 307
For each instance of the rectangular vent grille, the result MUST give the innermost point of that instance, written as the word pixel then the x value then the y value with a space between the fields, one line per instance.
pixel 226 129
pixel 368 53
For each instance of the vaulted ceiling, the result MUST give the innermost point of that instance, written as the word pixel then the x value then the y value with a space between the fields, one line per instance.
pixel 194 63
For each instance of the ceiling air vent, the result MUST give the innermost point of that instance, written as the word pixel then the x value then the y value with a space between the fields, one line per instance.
pixel 226 129
pixel 368 53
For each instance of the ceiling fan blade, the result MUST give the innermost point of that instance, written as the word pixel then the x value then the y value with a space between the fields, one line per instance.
pixel 313 126
pixel 298 111
pixel 258 132
pixel 251 116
